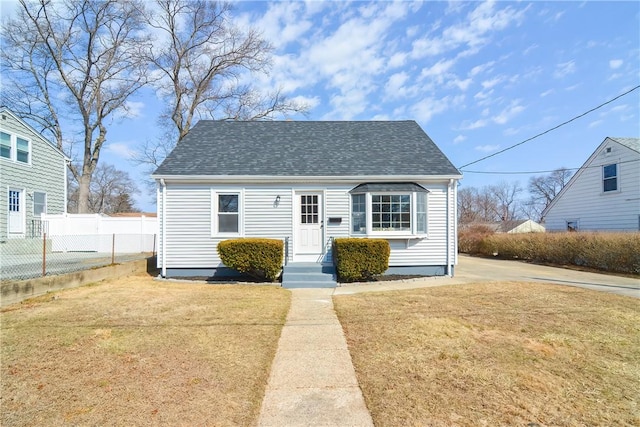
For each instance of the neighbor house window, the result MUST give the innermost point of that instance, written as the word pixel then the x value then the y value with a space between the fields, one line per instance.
pixel 15 148
pixel 22 150
pixel 39 203
pixel 5 145
pixel 228 213
pixel 610 178
pixel 389 209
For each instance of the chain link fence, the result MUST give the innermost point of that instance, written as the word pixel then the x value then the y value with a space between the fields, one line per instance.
pixel 45 255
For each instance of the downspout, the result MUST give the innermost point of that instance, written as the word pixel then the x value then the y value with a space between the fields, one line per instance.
pixel 66 190
pixel 454 188
pixel 449 272
pixel 163 233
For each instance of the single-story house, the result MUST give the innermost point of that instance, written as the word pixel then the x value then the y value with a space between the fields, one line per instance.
pixel 510 226
pixel 604 194
pixel 307 182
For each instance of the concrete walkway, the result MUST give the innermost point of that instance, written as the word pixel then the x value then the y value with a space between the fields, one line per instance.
pixel 312 381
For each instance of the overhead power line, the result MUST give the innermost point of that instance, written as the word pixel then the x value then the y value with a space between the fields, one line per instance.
pixel 547 171
pixel 549 130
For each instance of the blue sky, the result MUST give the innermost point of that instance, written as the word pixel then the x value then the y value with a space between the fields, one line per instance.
pixel 477 76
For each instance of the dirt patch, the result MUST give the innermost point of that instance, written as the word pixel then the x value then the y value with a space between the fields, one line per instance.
pixel 495 354
pixel 140 352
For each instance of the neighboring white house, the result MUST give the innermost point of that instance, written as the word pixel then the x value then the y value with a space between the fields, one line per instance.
pixel 511 226
pixel 604 194
pixel 32 178
pixel 307 183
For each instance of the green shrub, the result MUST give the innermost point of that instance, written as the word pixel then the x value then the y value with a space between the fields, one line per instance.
pixel 360 259
pixel 259 258
pixel 613 252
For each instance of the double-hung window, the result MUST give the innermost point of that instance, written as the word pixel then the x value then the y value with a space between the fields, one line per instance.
pixel 610 178
pixel 5 145
pixel 397 209
pixel 15 148
pixel 226 213
pixel 39 203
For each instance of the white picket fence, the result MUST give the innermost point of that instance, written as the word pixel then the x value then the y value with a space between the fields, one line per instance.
pixel 99 233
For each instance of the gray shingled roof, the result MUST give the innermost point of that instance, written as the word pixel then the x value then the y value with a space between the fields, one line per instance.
pixel 632 143
pixel 307 148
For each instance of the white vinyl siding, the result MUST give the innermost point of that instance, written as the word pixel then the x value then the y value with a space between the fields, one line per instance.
pixel 191 244
pixel 584 201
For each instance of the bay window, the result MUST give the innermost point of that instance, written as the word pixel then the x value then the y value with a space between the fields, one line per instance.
pixel 389 209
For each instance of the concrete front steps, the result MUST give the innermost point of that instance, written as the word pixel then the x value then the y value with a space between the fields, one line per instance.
pixel 308 275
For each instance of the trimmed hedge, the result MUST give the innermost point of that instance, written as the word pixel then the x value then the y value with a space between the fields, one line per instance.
pixel 360 259
pixel 613 252
pixel 259 258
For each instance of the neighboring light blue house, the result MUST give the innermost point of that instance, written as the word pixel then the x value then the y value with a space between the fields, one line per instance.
pixel 307 182
pixel 33 178
pixel 604 194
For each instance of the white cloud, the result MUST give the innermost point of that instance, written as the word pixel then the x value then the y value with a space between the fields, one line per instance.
pixel 395 86
pixel 614 64
pixel 458 139
pixel 481 68
pixel 564 69
pixel 474 32
pixel 480 123
pixel 546 93
pixel 425 109
pixel 595 123
pixel 488 84
pixel 486 148
pixel 508 113
pixel 121 149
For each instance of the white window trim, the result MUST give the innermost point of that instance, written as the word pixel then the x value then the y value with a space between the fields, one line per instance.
pixel 401 234
pixel 13 138
pixel 214 212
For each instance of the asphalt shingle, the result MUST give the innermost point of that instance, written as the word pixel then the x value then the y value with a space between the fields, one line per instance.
pixel 307 148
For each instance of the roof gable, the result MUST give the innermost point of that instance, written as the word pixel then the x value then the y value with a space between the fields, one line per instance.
pixel 34 133
pixel 631 143
pixel 307 148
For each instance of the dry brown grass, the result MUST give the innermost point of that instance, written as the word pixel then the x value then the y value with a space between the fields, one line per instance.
pixel 496 354
pixel 140 352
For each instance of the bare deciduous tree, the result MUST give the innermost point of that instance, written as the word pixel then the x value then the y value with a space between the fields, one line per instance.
pixel 201 58
pixel 491 203
pixel 111 191
pixel 69 65
pixel 544 188
pixel 506 195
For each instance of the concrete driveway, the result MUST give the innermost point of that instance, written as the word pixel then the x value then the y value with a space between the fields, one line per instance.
pixel 475 270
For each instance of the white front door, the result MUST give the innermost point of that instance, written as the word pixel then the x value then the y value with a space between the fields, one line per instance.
pixel 308 244
pixel 16 213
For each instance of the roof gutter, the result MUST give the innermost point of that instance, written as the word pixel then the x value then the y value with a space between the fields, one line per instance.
pixel 303 179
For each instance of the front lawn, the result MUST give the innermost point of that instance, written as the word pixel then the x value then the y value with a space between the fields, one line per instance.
pixel 495 354
pixel 140 352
